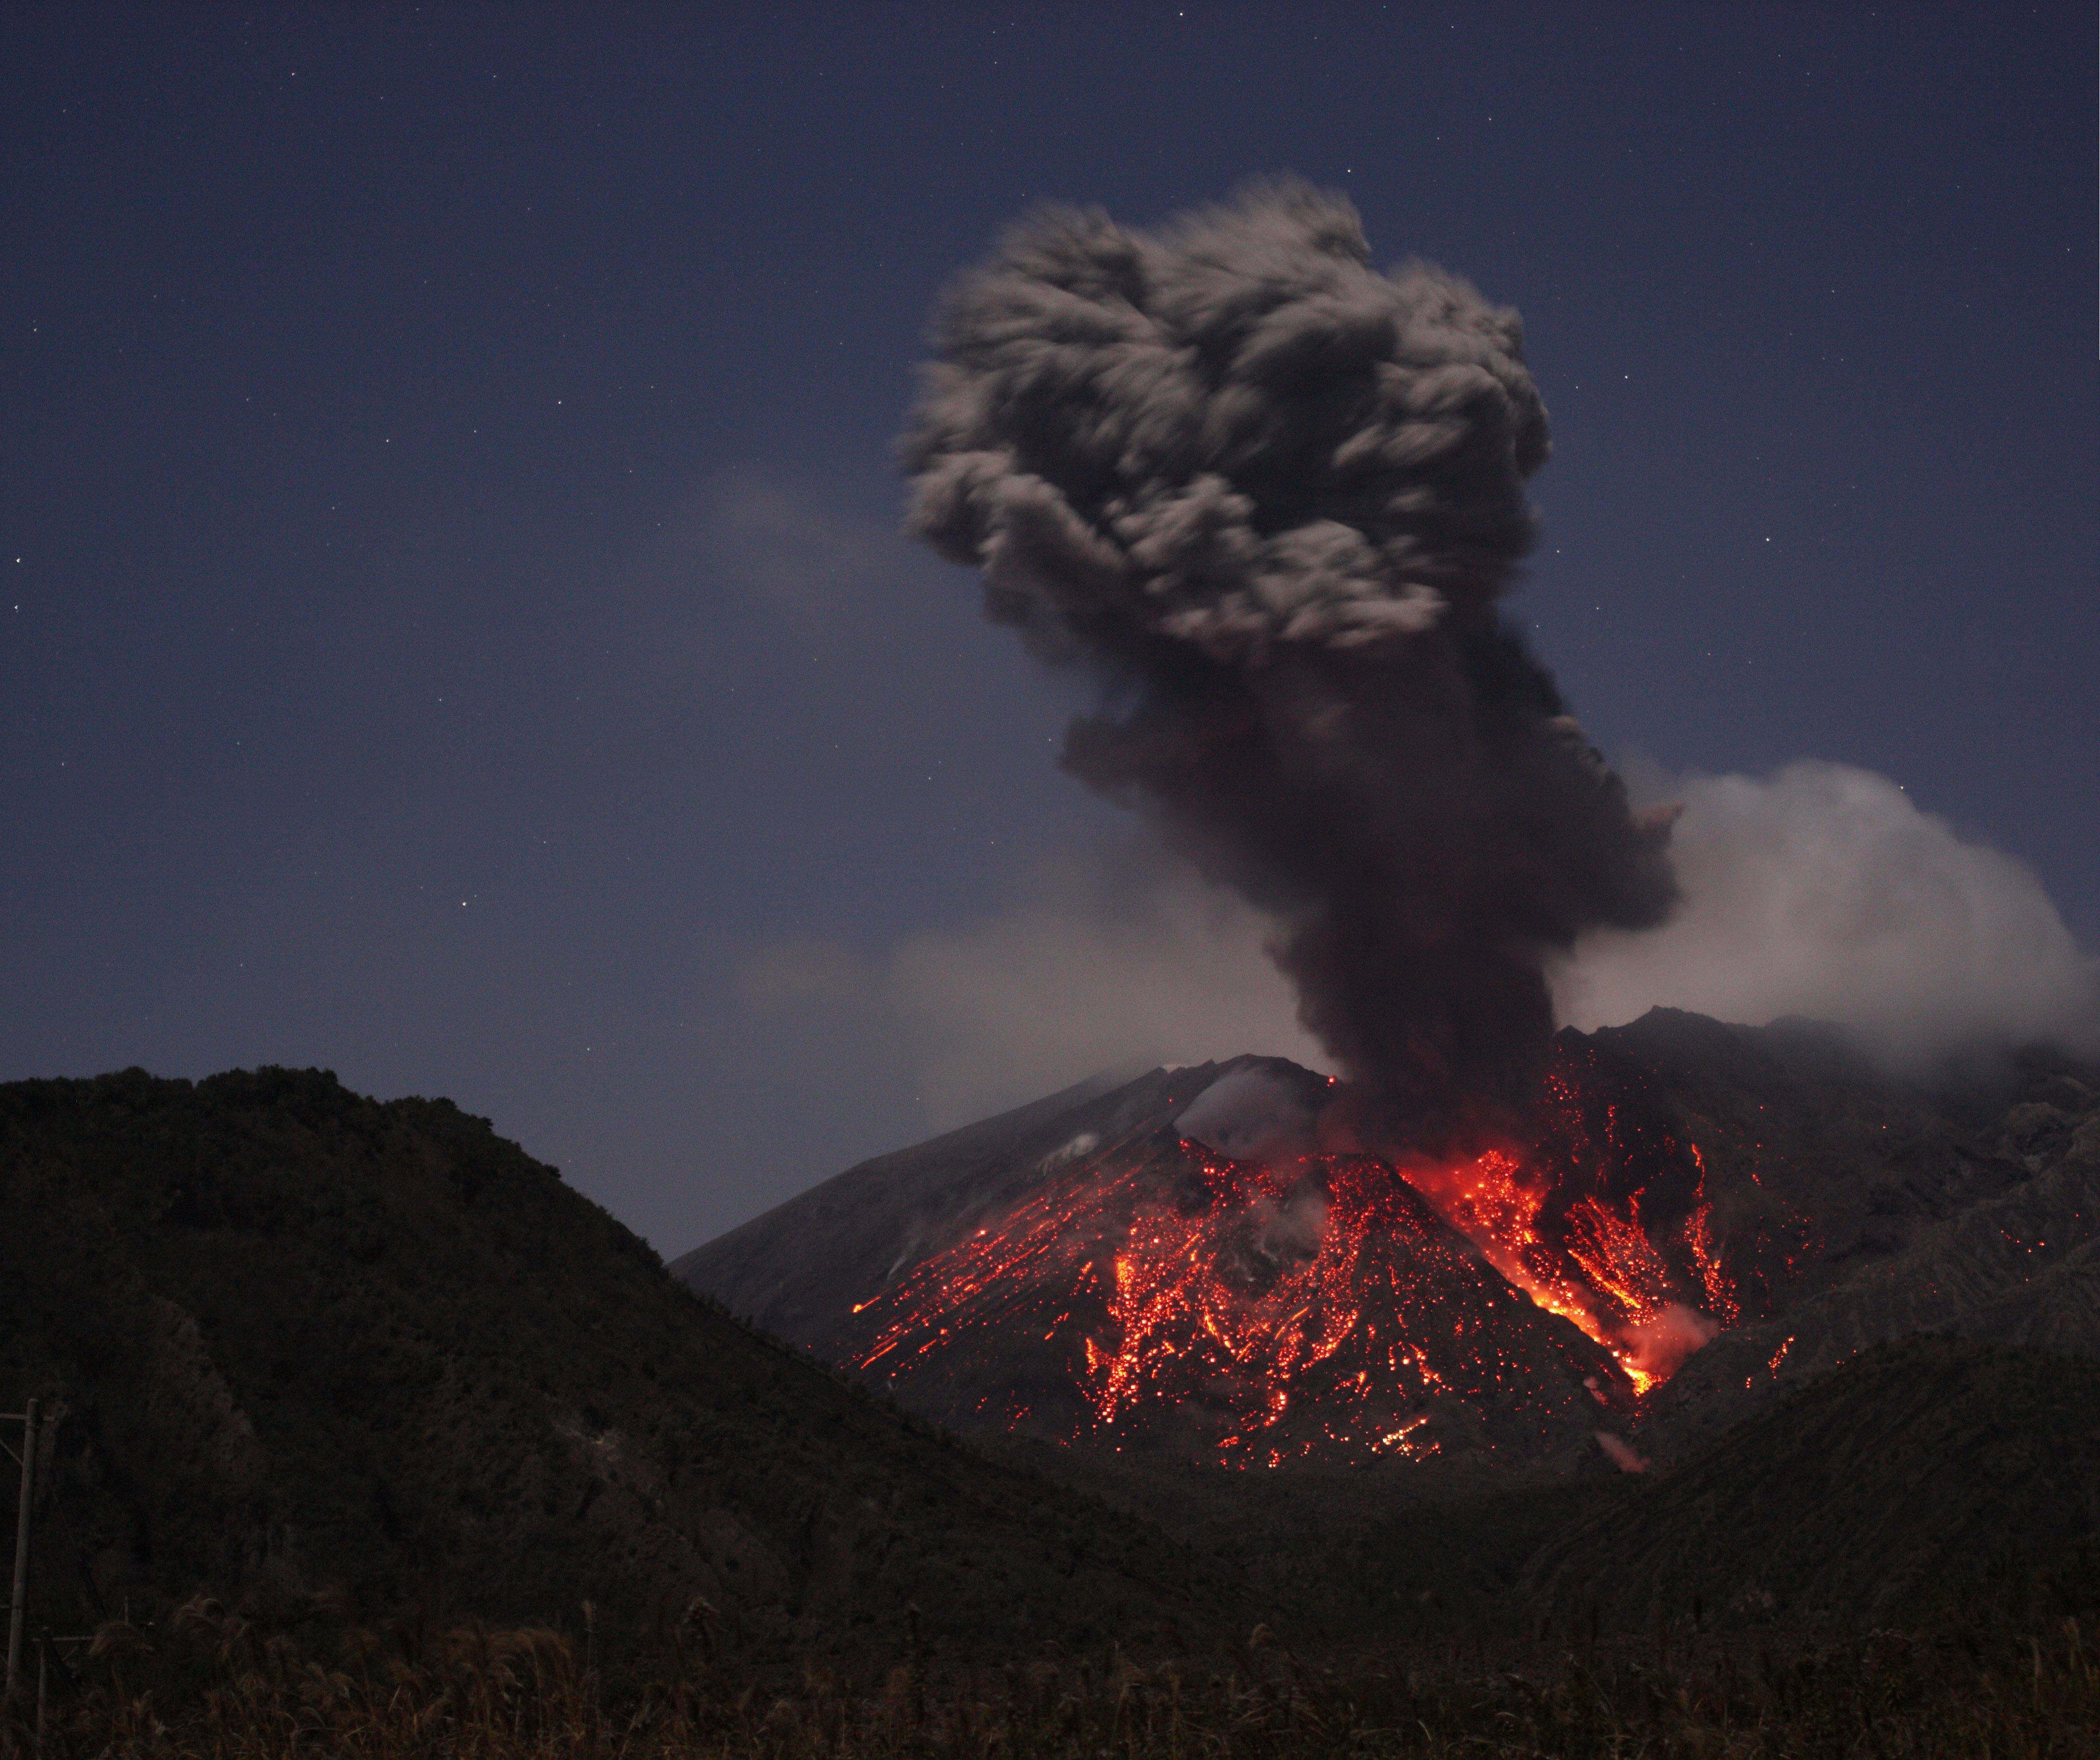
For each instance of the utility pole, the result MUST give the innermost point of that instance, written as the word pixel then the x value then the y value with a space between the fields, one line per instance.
pixel 18 1602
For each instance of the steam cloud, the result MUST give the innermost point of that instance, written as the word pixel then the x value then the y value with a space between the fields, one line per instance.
pixel 1113 964
pixel 1272 496
pixel 1622 1453
pixel 1823 891
pixel 1251 1115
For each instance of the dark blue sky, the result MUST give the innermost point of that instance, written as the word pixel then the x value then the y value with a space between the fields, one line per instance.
pixel 453 625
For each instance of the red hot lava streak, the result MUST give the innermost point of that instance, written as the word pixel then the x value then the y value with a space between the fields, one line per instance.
pixel 1335 1307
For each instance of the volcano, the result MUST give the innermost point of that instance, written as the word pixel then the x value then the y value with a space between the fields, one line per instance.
pixel 1192 1267
pixel 1151 1292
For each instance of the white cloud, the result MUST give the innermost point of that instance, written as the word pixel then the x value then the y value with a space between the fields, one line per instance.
pixel 1124 960
pixel 1823 891
pixel 1820 891
pixel 1105 969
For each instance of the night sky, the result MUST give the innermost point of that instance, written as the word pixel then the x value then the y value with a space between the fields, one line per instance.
pixel 456 630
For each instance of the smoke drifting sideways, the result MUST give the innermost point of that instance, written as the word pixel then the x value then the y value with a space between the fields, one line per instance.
pixel 1823 891
pixel 1271 497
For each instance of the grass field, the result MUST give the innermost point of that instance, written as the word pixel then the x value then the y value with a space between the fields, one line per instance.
pixel 2007 1671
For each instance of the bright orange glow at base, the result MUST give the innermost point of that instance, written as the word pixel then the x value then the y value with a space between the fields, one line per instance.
pixel 1338 1308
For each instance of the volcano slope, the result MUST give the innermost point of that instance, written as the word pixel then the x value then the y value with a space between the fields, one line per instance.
pixel 305 1341
pixel 1926 1464
pixel 1090 1274
pixel 1087 1272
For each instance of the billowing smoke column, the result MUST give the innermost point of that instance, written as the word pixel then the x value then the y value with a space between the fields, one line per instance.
pixel 1273 495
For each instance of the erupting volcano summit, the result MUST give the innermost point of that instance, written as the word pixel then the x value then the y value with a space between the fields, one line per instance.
pixel 1192 1265
pixel 1271 500
pixel 1288 1301
pixel 1272 497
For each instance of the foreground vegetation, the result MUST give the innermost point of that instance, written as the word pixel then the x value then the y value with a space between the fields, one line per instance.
pixel 462 1385
pixel 2008 1673
pixel 462 1388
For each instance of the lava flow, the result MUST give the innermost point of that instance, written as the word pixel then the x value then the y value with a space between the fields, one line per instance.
pixel 1152 1291
pixel 1613 1236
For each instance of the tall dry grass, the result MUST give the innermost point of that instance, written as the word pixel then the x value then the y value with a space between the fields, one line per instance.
pixel 210 1683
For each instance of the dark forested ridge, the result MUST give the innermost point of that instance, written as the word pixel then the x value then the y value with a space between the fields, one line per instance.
pixel 305 1341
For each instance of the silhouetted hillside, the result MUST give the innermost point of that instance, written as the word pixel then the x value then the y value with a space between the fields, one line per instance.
pixel 304 1340
pixel 1919 1465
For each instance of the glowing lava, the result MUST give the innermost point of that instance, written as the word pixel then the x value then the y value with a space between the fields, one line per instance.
pixel 1600 1269
pixel 1339 1307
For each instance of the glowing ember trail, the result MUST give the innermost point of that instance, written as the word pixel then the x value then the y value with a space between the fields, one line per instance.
pixel 1338 1308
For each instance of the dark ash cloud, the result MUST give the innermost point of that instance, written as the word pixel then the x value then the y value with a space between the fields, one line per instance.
pixel 1272 496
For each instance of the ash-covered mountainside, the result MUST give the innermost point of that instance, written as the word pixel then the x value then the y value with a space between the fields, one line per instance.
pixel 305 1340
pixel 1984 1227
pixel 1182 1267
pixel 1919 1465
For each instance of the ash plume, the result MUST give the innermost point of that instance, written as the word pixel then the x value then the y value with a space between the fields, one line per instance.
pixel 1272 497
